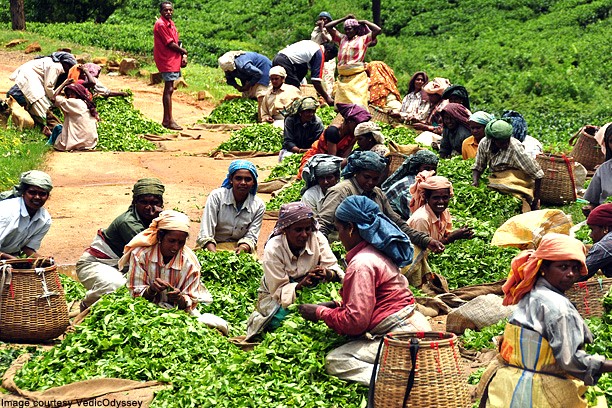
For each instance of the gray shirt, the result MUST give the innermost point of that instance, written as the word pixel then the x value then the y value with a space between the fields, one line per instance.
pixel 600 187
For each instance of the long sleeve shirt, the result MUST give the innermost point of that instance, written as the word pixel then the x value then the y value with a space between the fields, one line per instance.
pixel 18 229
pixel 514 157
pixel 278 99
pixel 600 257
pixel 301 134
pixel 251 68
pixel 452 140
pixel 600 187
pixel 373 289
pixel 425 220
pixel 336 194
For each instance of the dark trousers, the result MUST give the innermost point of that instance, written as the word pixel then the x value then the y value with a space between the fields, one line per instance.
pixel 295 72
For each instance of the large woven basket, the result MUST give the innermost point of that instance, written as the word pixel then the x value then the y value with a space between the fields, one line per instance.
pixel 32 301
pixel 588 296
pixel 435 379
pixel 558 185
pixel 396 159
pixel 309 90
pixel 380 115
pixel 586 150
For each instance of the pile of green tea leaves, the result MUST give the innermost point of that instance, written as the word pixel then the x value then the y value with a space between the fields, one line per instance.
pixel 238 111
pixel 401 135
pixel 601 345
pixel 483 338
pixel 261 137
pixel 288 194
pixel 327 114
pixel 288 167
pixel 121 125
pixel 135 339
pixel 72 289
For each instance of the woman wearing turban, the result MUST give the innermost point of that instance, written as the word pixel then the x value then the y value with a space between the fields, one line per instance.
pixel 320 173
pixel 297 255
pixel 302 126
pixel 478 121
pixel 233 214
pixel 370 138
pixel 24 221
pixel 600 187
pixel 375 296
pixel 97 269
pixel 456 129
pixel 542 362
pixel 278 98
pixel 513 170
pixel 457 94
pixel 600 254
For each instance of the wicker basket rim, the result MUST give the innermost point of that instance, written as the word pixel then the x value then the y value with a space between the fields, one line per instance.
pixel 49 262
pixel 441 338
pixel 554 157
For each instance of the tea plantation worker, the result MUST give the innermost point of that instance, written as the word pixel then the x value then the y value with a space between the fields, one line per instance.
pixel 429 207
pixel 24 221
pixel 35 82
pixel 383 86
pixel 97 269
pixel 456 129
pixel 477 122
pixel 352 82
pixel 457 94
pixel 370 138
pixel 338 140
pixel 600 187
pixel 361 175
pixel 233 214
pixel 532 146
pixel 433 122
pixel 170 57
pixel 161 268
pixel 278 98
pixel 321 172
pixel 321 36
pixel 297 255
pixel 375 296
pixel 88 75
pixel 600 254
pixel 397 186
pixel 302 56
pixel 513 170
pixel 542 361
pixel 302 127
pixel 80 128
pixel 416 104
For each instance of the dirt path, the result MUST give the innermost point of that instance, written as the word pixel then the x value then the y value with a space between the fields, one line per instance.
pixel 92 188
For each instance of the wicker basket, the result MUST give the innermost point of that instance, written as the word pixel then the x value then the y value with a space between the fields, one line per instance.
pixel 309 90
pixel 558 185
pixel 396 159
pixel 436 378
pixel 586 150
pixel 380 115
pixel 588 296
pixel 32 301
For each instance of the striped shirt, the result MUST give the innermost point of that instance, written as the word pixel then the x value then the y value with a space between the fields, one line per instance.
pixel 513 158
pixel 352 52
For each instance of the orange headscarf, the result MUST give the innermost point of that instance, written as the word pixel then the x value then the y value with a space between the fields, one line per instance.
pixel 525 266
pixel 426 180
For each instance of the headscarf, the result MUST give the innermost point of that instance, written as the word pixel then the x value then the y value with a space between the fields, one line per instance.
pixel 351 22
pixel 83 94
pixel 147 186
pixel 319 165
pixel 410 166
pixel 325 14
pixel 600 137
pixel 481 117
pixel 370 127
pixel 459 112
pixel 376 228
pixel 382 83
pixel 36 178
pixel 93 69
pixel 291 213
pixel 426 180
pixel 363 160
pixel 63 57
pixel 240 165
pixel 498 129
pixel 601 215
pixel 436 86
pixel 278 70
pixel 352 112
pixel 302 104
pixel 518 124
pixel 525 266
pixel 226 61
pixel 411 86
pixel 458 91
pixel 169 220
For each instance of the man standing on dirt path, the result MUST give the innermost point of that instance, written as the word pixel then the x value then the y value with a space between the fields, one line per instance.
pixel 169 57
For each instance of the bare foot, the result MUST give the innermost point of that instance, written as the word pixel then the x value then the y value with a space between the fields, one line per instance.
pixel 46 131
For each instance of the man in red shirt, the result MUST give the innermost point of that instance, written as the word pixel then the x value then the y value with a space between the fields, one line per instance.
pixel 169 57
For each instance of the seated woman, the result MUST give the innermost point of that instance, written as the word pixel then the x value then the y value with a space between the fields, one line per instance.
pixel 397 186
pixel 338 141
pixel 456 129
pixel 321 172
pixel 97 269
pixel 88 76
pixel 457 94
pixel 302 127
pixel 416 104
pixel 376 299
pixel 532 146
pixel 361 177
pixel 161 268
pixel 233 214
pixel 370 138
pixel 80 128
pixel 600 187
pixel 600 254
pixel 434 90
pixel 23 220
pixel 478 121
pixel 513 170
pixel 278 98
pixel 297 255
pixel 542 362
pixel 383 86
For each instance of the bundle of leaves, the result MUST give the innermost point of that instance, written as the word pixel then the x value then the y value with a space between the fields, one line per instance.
pixel 483 338
pixel 121 125
pixel 327 114
pixel 261 137
pixel 240 110
pixel 288 194
pixel 288 167
pixel 72 289
pixel 400 135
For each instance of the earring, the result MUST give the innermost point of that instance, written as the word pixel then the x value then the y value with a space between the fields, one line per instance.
pixel 351 233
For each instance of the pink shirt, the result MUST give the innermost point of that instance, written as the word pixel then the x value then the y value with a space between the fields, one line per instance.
pixel 352 52
pixel 373 289
pixel 166 59
pixel 425 220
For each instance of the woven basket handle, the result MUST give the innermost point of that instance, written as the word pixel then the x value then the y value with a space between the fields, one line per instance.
pixel 373 378
pixel 414 350
pixel 574 138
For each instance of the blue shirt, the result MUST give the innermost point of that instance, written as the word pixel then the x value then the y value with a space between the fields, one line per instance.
pixel 251 68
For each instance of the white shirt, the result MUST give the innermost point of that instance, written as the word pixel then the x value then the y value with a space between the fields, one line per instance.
pixel 17 229
pixel 36 78
pixel 301 52
pixel 313 197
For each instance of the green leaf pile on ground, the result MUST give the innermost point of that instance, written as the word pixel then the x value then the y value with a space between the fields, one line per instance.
pixel 288 194
pixel 73 290
pixel 261 137
pixel 234 111
pixel 288 167
pixel 400 135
